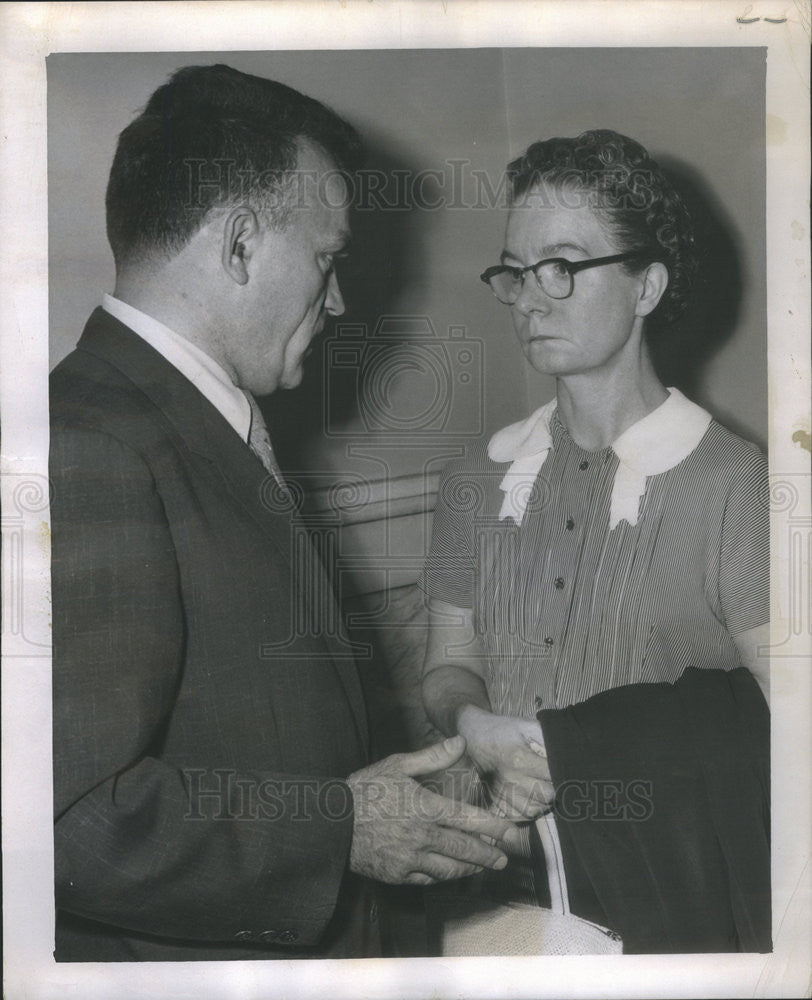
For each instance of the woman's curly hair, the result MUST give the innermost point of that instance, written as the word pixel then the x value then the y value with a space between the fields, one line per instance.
pixel 629 193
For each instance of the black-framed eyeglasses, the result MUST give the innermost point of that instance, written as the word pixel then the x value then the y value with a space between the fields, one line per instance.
pixel 555 275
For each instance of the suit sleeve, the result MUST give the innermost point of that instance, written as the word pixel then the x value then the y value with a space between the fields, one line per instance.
pixel 140 844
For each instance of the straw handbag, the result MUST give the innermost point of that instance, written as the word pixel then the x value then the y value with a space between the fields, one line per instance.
pixel 474 925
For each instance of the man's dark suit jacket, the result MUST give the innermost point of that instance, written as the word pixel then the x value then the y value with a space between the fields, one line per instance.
pixel 189 659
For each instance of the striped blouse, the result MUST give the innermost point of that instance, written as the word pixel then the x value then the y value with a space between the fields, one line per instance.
pixel 569 607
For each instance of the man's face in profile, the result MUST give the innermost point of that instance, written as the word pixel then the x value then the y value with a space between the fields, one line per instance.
pixel 292 286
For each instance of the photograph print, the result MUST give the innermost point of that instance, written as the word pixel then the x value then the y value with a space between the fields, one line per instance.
pixel 409 503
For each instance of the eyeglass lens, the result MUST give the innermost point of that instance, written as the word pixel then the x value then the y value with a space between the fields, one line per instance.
pixel 551 276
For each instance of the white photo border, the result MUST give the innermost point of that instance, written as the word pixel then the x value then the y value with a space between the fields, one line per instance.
pixel 30 31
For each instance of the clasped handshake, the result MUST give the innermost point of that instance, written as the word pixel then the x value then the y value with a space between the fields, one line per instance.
pixel 405 833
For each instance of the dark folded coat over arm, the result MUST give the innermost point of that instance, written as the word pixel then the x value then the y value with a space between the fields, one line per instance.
pixel 663 795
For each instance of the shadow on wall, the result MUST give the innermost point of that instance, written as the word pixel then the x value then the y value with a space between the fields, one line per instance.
pixel 680 352
pixel 383 264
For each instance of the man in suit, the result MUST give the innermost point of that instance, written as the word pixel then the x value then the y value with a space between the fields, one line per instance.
pixel 213 796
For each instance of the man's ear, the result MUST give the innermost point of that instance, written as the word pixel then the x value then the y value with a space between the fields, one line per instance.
pixel 655 282
pixel 240 232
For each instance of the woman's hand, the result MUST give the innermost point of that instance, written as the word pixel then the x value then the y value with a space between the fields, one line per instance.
pixel 509 755
pixel 508 752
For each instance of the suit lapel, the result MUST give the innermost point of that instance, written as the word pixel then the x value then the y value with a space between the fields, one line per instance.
pixel 202 428
pixel 208 434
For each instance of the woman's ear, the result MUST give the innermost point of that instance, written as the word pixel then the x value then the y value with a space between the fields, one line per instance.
pixel 655 282
pixel 240 232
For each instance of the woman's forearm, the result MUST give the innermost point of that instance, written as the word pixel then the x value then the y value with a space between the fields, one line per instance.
pixel 447 691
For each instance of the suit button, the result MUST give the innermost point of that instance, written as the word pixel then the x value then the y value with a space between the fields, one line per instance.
pixel 268 937
pixel 559 583
pixel 288 937
pixel 570 524
pixel 244 935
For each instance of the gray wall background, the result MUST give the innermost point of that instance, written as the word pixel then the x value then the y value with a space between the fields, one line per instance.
pixel 700 111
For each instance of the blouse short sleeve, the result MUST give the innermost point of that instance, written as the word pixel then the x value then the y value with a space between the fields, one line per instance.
pixel 744 558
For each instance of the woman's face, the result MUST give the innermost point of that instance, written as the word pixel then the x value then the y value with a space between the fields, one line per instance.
pixel 599 323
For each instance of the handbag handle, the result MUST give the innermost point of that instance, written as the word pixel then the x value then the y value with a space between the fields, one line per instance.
pixel 554 862
pixel 551 850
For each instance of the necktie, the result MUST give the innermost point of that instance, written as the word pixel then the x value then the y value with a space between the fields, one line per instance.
pixel 260 441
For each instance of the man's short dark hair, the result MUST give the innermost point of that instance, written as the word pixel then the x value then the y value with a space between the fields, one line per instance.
pixel 211 137
pixel 630 193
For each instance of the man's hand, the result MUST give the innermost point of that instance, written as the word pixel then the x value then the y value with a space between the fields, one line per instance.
pixel 509 754
pixel 407 834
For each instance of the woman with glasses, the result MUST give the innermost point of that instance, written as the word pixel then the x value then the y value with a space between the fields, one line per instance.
pixel 598 586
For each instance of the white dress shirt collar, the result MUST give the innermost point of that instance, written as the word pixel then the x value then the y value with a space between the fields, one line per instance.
pixel 199 368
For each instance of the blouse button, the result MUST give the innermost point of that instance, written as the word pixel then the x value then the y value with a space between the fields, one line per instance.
pixel 559 583
pixel 570 524
pixel 583 466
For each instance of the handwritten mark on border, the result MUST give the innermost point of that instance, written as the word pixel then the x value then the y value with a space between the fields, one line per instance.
pixel 746 19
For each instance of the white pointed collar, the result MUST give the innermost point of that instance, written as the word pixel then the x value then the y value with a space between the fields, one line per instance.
pixel 200 368
pixel 656 443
